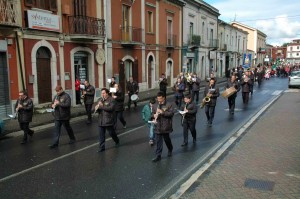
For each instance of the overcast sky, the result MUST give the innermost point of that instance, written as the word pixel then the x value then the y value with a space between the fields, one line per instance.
pixel 279 20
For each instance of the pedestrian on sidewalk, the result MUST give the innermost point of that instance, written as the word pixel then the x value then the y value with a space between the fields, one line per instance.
pixel 163 83
pixel 105 108
pixel 24 112
pixel 61 104
pixel 189 119
pixel 78 90
pixel 118 97
pixel 163 116
pixel 132 88
pixel 147 117
pixel 89 94
pixel 211 91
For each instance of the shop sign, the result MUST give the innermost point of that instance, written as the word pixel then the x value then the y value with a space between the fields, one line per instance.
pixel 43 21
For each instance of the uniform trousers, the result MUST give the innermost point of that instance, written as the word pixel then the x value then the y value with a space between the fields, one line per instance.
pixel 189 124
pixel 112 133
pixel 119 115
pixel 66 124
pixel 88 109
pixel 159 143
pixel 24 126
pixel 195 93
pixel 210 113
pixel 245 96
pixel 231 103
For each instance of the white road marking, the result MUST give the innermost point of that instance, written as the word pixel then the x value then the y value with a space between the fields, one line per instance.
pixel 61 157
pixel 184 187
pixel 277 92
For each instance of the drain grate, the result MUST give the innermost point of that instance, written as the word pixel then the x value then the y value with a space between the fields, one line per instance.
pixel 259 184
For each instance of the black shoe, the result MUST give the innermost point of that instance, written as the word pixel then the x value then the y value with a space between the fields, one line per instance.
pixel 23 142
pixel 31 133
pixel 194 140
pixel 101 150
pixel 117 144
pixel 169 153
pixel 72 141
pixel 53 146
pixel 156 159
pixel 88 122
pixel 184 144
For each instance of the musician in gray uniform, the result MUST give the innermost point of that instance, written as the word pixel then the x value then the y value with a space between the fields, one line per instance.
pixel 211 91
pixel 62 113
pixel 231 99
pixel 106 109
pixel 24 110
pixel 89 94
pixel 189 119
pixel 163 116
pixel 196 87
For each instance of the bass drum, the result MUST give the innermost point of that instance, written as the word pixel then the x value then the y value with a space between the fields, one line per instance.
pixel 134 97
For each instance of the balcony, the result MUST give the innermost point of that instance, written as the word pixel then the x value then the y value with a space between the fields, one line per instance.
pixel 9 14
pixel 223 47
pixel 82 27
pixel 131 36
pixel 171 41
pixel 194 41
pixel 213 43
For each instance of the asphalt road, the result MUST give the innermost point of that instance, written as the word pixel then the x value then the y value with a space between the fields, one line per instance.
pixel 78 171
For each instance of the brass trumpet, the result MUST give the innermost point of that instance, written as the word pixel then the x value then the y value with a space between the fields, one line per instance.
pixel 204 101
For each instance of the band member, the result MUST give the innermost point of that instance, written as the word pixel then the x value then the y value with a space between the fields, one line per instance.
pixel 112 83
pixel 246 86
pixel 24 110
pixel 89 94
pixel 231 99
pixel 61 104
pixel 196 87
pixel 132 88
pixel 163 83
pixel 212 92
pixel 179 88
pixel 163 115
pixel 119 106
pixel 105 108
pixel 77 89
pixel 251 76
pixel 189 82
pixel 189 119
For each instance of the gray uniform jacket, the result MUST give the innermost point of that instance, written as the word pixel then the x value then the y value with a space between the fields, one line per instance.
pixel 164 120
pixel 25 113
pixel 106 112
pixel 63 110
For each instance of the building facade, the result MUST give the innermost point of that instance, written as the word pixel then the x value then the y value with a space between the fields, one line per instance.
pixel 200 38
pixel 256 42
pixel 293 52
pixel 143 41
pixel 233 47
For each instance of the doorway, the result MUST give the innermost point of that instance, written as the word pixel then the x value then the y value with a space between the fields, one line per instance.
pixel 4 87
pixel 43 75
pixel 81 66
pixel 169 70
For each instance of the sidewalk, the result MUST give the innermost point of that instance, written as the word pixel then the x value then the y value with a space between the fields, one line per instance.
pixel 47 118
pixel 264 163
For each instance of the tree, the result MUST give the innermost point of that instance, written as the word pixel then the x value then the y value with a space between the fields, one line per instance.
pixel 284 45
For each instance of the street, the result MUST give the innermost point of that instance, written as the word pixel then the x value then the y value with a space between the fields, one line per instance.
pixel 78 171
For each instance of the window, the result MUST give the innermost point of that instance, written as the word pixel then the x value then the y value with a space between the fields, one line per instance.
pixel 203 26
pixel 150 21
pixel 191 29
pixel 297 54
pixel 42 4
pixel 79 7
pixel 291 48
pixel 125 15
pixel 297 47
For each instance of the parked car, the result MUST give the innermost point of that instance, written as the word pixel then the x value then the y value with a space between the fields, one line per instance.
pixel 294 79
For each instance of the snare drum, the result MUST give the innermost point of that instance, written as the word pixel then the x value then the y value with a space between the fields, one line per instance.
pixel 134 97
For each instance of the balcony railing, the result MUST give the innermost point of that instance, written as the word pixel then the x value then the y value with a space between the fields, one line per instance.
pixel 82 25
pixel 194 40
pixel 131 34
pixel 9 13
pixel 171 40
pixel 213 43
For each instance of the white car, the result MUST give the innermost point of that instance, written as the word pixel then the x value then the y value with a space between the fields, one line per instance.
pixel 294 79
